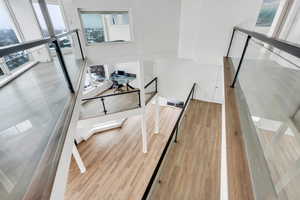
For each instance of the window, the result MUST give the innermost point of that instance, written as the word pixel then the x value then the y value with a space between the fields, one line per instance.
pixel 106 26
pixel 267 13
pixel 8 37
pixel 57 20
pixel 55 16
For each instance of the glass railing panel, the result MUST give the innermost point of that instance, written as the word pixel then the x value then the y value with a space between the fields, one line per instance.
pixel 15 60
pixel 237 47
pixel 110 102
pixel 113 88
pixel 268 96
pixel 167 167
pixel 32 106
pixel 150 90
pixel 72 56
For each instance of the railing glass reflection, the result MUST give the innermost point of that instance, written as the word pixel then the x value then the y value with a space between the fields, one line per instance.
pixel 150 90
pixel 267 89
pixel 36 108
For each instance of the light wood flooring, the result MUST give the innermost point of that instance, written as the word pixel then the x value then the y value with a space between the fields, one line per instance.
pixel 192 168
pixel 116 167
pixel 239 180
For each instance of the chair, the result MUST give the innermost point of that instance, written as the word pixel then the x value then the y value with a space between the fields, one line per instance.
pixel 116 86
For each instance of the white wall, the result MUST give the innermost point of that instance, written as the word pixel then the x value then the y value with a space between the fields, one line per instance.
pixel 176 78
pixel 155 27
pixel 206 26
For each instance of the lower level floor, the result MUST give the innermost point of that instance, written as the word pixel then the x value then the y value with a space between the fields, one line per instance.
pixel 118 169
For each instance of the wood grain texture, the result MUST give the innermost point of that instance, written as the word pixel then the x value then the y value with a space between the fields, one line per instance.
pixel 116 167
pixel 240 187
pixel 191 170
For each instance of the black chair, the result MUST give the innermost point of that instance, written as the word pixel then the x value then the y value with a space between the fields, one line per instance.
pixel 116 86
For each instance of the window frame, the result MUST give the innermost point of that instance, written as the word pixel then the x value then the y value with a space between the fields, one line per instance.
pixel 97 11
pixel 16 28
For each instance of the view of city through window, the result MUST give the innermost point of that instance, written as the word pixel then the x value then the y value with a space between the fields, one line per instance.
pixel 8 37
pixel 267 13
pixel 106 26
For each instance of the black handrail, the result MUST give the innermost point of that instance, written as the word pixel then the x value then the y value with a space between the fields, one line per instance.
pixel 4 51
pixel 109 95
pixel 289 47
pixel 175 129
pixel 48 162
pixel 277 54
pixel 148 84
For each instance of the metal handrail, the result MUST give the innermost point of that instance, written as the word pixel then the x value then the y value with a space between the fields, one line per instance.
pixel 289 47
pixel 48 162
pixel 30 44
pixel 148 84
pixel 175 130
pixel 109 95
pixel 274 52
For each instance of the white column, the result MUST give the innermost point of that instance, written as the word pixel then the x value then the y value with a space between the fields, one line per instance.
pixel 78 159
pixel 157 109
pixel 144 133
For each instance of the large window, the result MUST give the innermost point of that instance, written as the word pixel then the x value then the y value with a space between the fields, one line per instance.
pixel 106 26
pixel 8 36
pixel 57 20
pixel 267 14
pixel 55 16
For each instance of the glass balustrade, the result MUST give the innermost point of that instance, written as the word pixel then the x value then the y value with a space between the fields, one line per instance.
pixel 268 97
pixel 36 106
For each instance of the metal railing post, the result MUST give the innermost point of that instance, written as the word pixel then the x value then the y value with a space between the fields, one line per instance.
pixel 232 36
pixel 241 61
pixel 63 65
pixel 155 85
pixel 176 134
pixel 139 98
pixel 103 104
pixel 79 42
pixel 193 93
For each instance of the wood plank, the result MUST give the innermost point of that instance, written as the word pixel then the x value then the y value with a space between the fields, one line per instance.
pixel 192 167
pixel 116 166
pixel 240 186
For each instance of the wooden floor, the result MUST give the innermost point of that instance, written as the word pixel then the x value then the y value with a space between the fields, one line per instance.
pixel 116 167
pixel 192 168
pixel 240 187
